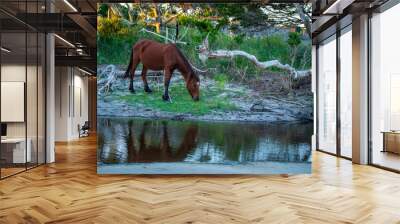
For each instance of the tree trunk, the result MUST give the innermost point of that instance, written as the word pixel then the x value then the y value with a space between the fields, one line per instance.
pixel 158 17
pixel 294 55
pixel 306 20
pixel 176 31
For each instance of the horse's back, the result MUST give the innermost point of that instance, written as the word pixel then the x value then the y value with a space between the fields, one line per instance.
pixel 154 55
pixel 145 43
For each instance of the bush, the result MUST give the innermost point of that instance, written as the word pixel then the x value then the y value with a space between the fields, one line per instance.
pixel 109 27
pixel 294 39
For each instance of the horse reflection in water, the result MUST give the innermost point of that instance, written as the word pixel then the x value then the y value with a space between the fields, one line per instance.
pixel 147 151
pixel 127 140
pixel 147 141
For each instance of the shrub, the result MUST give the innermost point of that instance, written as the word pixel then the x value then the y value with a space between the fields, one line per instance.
pixel 109 27
pixel 294 39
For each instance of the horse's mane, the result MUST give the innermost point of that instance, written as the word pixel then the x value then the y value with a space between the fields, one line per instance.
pixel 194 74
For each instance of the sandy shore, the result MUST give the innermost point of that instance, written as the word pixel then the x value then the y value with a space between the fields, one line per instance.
pixel 199 168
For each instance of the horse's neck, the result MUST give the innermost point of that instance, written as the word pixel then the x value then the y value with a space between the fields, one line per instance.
pixel 187 76
pixel 185 72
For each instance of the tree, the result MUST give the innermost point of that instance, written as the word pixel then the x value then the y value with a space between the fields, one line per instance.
pixel 232 16
pixel 103 10
pixel 264 15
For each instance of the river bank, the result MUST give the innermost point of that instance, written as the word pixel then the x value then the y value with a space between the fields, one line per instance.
pixel 261 101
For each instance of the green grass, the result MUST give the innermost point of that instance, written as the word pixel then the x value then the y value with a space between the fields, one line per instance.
pixel 221 80
pixel 181 101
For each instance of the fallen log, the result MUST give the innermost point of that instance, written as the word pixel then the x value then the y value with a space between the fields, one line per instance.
pixel 205 53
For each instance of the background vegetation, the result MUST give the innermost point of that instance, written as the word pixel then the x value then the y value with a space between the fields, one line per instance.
pixel 289 44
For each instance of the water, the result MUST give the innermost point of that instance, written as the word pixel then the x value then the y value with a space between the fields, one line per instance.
pixel 138 141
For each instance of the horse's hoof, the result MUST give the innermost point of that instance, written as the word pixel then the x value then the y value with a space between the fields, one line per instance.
pixel 165 98
pixel 148 90
pixel 132 91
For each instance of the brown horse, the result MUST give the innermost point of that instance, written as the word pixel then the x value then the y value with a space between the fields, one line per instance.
pixel 167 57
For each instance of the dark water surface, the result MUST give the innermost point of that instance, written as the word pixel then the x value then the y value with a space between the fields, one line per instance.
pixel 134 140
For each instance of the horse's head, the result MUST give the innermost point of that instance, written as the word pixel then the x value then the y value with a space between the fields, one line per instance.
pixel 193 86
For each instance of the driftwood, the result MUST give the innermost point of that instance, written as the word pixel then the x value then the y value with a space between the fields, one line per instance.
pixel 110 74
pixel 205 53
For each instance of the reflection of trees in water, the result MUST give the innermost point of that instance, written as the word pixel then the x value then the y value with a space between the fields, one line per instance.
pixel 257 142
pixel 129 140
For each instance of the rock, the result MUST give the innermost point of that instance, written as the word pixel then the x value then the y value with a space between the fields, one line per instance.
pixel 260 107
pixel 223 95
pixel 179 117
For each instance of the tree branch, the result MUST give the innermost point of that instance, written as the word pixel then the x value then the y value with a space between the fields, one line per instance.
pixel 205 54
pixel 164 37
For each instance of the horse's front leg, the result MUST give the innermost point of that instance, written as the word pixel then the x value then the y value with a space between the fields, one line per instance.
pixel 167 78
pixel 144 78
pixel 131 85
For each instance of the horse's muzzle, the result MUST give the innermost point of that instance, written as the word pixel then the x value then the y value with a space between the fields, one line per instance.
pixel 196 98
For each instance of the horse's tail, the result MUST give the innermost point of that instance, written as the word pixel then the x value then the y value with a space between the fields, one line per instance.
pixel 127 73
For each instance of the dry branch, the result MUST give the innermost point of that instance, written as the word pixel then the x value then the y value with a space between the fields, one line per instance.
pixel 111 76
pixel 205 53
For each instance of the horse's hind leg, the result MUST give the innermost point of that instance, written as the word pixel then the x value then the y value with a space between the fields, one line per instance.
pixel 135 62
pixel 144 78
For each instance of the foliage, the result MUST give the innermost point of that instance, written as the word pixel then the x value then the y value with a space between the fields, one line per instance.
pixel 103 10
pixel 117 35
pixel 203 25
pixel 294 41
pixel 110 26
pixel 115 40
pixel 246 14
pixel 229 15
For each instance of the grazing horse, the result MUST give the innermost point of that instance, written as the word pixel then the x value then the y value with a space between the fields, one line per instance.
pixel 167 57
